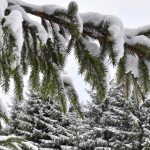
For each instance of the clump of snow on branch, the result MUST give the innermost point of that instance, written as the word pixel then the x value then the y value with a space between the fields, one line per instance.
pixel 135 36
pixel 115 28
pixel 117 32
pixel 132 65
pixel 142 40
pixel 43 35
pixel 48 9
pixel 95 18
pixel 91 46
pixel 134 32
pixel 3 108
pixel 67 79
pixel 63 41
pixel 14 21
pixel 3 6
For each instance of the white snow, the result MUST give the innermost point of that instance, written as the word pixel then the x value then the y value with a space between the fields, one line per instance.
pixel 132 65
pixel 4 138
pixel 43 35
pixel 141 39
pixel 30 145
pixel 63 41
pixel 67 79
pixel 3 6
pixel 115 27
pixel 117 32
pixel 14 21
pixel 95 18
pixel 91 46
pixel 134 32
pixel 48 9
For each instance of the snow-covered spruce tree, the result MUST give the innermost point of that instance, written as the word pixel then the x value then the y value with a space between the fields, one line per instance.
pixel 45 46
pixel 41 122
pixel 113 124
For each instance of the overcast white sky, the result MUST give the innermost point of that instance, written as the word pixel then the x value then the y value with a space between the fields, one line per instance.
pixel 133 13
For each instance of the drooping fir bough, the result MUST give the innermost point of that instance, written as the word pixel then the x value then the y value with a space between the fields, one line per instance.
pixel 44 47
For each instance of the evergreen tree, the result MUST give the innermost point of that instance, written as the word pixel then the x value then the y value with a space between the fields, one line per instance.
pixel 41 122
pixel 119 121
pixel 113 124
pixel 116 124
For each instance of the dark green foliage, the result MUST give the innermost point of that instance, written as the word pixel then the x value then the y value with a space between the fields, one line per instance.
pixel 92 67
pixel 45 60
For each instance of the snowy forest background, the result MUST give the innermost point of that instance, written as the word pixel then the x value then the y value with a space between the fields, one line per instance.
pixel 50 115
